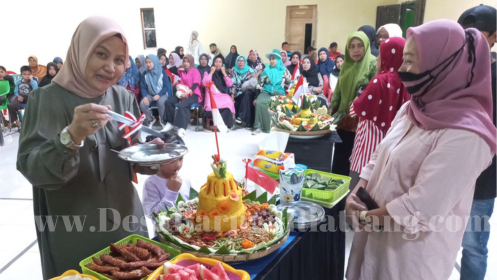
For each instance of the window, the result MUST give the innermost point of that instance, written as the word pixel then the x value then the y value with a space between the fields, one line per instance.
pixel 148 28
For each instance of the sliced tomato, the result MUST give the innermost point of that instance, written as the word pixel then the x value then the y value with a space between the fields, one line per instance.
pixel 234 196
pixel 224 206
pixel 213 213
pixel 189 215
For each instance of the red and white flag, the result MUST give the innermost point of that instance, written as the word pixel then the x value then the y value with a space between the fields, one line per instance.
pixel 260 178
pixel 216 115
pixel 299 90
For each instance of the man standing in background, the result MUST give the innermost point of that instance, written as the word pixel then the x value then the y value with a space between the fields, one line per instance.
pixel 474 243
pixel 310 51
pixel 284 46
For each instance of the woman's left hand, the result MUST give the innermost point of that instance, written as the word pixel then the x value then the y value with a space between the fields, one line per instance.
pixel 156 97
pixel 318 90
pixel 233 98
pixel 223 69
pixel 353 206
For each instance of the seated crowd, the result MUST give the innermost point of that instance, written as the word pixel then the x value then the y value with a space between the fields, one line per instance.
pixel 241 85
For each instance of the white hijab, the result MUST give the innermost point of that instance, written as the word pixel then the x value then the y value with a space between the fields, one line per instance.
pixel 393 30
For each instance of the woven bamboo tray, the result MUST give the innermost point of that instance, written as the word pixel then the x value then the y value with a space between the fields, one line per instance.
pixel 304 133
pixel 229 257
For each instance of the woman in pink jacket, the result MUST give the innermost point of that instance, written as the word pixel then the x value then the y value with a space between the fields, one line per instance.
pixel 217 82
pixel 423 173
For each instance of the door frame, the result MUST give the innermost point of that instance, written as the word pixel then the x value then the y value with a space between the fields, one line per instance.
pixel 314 21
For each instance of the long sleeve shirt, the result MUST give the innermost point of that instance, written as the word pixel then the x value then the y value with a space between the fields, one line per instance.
pixel 426 180
pixel 33 84
pixel 285 81
pixel 223 99
pixel 191 79
pixel 166 85
pixel 156 195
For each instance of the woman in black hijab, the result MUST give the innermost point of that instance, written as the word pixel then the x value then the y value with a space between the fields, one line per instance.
pixel 295 60
pixel 179 50
pixel 314 79
pixel 371 33
pixel 336 70
pixel 231 58
pixel 204 64
pixel 161 52
pixel 52 70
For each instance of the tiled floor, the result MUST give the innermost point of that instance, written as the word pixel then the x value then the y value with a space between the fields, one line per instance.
pixel 17 228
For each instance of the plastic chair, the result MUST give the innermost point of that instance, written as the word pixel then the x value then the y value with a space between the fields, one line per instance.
pixel 4 90
pixel 17 77
pixel 194 106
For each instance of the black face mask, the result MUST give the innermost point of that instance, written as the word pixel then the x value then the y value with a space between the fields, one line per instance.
pixel 415 82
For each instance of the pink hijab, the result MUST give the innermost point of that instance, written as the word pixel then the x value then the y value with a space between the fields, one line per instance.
pixel 89 34
pixel 447 102
pixel 288 60
pixel 177 61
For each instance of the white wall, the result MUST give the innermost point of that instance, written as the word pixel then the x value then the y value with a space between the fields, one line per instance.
pixel 248 24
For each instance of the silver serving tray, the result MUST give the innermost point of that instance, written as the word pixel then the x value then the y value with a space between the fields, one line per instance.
pixel 170 151
pixel 306 214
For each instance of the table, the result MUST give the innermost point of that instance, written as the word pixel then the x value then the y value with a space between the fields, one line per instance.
pixel 316 153
pixel 305 255
pixel 308 254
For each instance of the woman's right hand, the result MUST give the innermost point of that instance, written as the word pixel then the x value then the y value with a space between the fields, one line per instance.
pixel 352 208
pixel 84 118
pixel 213 69
pixel 255 101
pixel 145 101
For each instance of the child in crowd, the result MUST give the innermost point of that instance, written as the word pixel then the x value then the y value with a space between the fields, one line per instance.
pixel 22 89
pixel 5 77
pixel 162 189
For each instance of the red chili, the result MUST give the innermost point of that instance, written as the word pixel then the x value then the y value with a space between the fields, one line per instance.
pixel 224 184
pixel 215 188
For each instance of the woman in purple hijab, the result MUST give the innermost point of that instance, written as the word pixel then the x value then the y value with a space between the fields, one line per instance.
pixel 422 175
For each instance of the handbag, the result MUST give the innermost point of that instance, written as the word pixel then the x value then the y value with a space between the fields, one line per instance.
pixel 251 84
pixel 181 89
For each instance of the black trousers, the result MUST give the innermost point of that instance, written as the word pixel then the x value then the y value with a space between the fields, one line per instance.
pixel 343 151
pixel 183 115
pixel 225 114
pixel 14 106
pixel 244 107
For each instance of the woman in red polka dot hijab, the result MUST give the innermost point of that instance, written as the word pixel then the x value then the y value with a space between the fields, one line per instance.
pixel 378 104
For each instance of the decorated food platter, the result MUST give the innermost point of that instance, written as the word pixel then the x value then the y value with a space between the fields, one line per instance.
pixel 224 222
pixel 310 120
pixel 152 154
pixel 304 135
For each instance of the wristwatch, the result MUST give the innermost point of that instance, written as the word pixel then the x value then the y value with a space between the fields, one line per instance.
pixel 66 140
pixel 362 217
